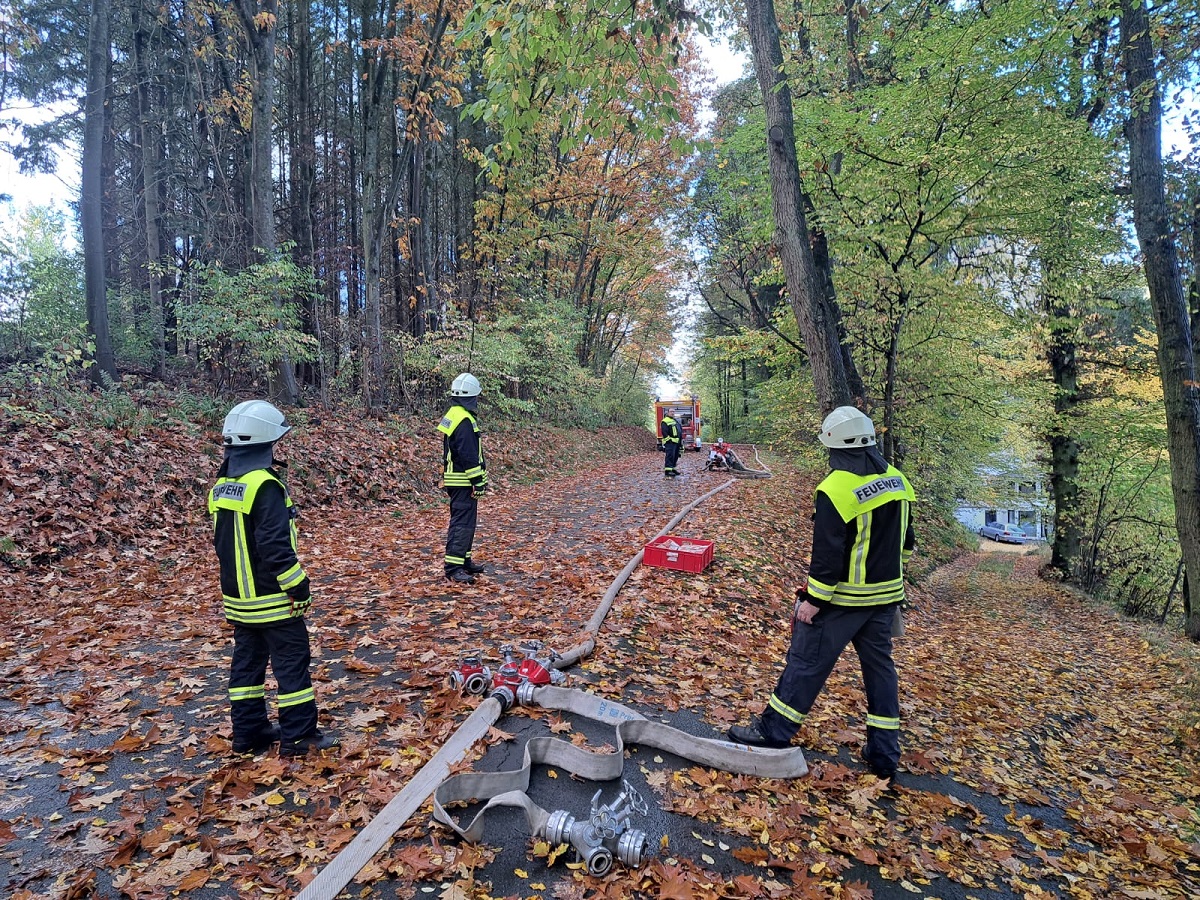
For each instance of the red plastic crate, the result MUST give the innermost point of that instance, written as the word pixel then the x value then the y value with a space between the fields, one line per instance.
pixel 672 552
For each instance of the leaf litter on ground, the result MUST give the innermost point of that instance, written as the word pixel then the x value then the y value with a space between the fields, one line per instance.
pixel 1050 747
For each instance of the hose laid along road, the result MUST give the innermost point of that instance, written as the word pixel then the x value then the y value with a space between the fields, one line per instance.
pixel 496 786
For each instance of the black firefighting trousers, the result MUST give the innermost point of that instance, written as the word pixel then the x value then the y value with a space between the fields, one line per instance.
pixel 811 657
pixel 672 458
pixel 464 513
pixel 285 646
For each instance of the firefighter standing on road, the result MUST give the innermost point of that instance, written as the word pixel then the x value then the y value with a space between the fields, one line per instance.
pixel 266 591
pixel 862 539
pixel 464 476
pixel 668 432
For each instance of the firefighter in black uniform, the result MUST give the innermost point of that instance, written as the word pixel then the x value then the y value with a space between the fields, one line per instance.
pixel 668 432
pixel 862 539
pixel 266 590
pixel 464 476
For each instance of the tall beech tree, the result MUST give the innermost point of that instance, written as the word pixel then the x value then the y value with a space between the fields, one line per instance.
pixel 816 314
pixel 1176 357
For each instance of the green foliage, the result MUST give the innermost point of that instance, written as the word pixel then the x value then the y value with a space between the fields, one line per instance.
pixel 41 287
pixel 1130 550
pixel 130 323
pixel 624 396
pixel 56 369
pixel 249 320
pixel 586 51
pixel 527 366
pixel 55 392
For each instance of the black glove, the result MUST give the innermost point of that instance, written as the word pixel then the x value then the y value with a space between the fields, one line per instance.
pixel 301 596
pixel 478 490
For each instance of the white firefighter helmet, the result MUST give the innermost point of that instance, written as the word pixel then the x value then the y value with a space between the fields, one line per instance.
pixel 465 385
pixel 253 422
pixel 846 428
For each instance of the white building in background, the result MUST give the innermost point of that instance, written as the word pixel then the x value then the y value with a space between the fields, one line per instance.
pixel 1009 500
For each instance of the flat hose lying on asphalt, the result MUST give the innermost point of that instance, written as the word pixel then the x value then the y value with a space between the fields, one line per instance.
pixel 343 867
pixel 585 647
pixel 508 788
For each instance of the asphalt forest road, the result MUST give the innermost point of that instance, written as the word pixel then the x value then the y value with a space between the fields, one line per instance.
pixel 1041 735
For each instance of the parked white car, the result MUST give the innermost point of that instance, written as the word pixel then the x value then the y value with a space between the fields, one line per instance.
pixel 1004 533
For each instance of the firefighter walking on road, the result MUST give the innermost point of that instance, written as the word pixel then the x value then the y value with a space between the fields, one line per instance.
pixel 862 540
pixel 668 433
pixel 464 476
pixel 265 588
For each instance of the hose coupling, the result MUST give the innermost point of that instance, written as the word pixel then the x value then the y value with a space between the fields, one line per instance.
pixel 605 834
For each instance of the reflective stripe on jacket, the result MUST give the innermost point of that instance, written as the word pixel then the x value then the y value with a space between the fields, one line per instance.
pixel 862 538
pixel 254 532
pixel 462 450
pixel 668 429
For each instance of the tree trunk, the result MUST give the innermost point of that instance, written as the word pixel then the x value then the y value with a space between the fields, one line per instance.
pixel 892 452
pixel 302 168
pixel 1194 287
pixel 95 125
pixel 424 283
pixel 814 313
pixel 151 188
pixel 1161 264
pixel 375 110
pixel 259 19
pixel 1064 448
pixel 466 193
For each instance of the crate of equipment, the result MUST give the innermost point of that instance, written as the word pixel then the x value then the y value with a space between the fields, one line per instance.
pixel 685 554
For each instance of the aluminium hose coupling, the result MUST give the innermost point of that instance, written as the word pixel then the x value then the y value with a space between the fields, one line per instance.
pixel 525 693
pixel 605 833
pixel 505 695
pixel 472 675
pixel 471 683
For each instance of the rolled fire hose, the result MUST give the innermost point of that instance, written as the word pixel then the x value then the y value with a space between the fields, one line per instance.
pixel 343 867
pixel 740 470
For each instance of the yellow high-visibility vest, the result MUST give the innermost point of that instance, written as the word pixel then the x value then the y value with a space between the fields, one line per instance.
pixel 250 607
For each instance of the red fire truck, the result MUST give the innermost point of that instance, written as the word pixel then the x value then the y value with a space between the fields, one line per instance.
pixel 687 414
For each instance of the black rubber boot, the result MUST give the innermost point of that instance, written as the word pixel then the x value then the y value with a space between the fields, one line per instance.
pixel 258 743
pixel 753 737
pixel 318 741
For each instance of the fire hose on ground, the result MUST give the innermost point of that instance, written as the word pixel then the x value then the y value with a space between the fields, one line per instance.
pixel 737 468
pixel 592 839
pixel 606 834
